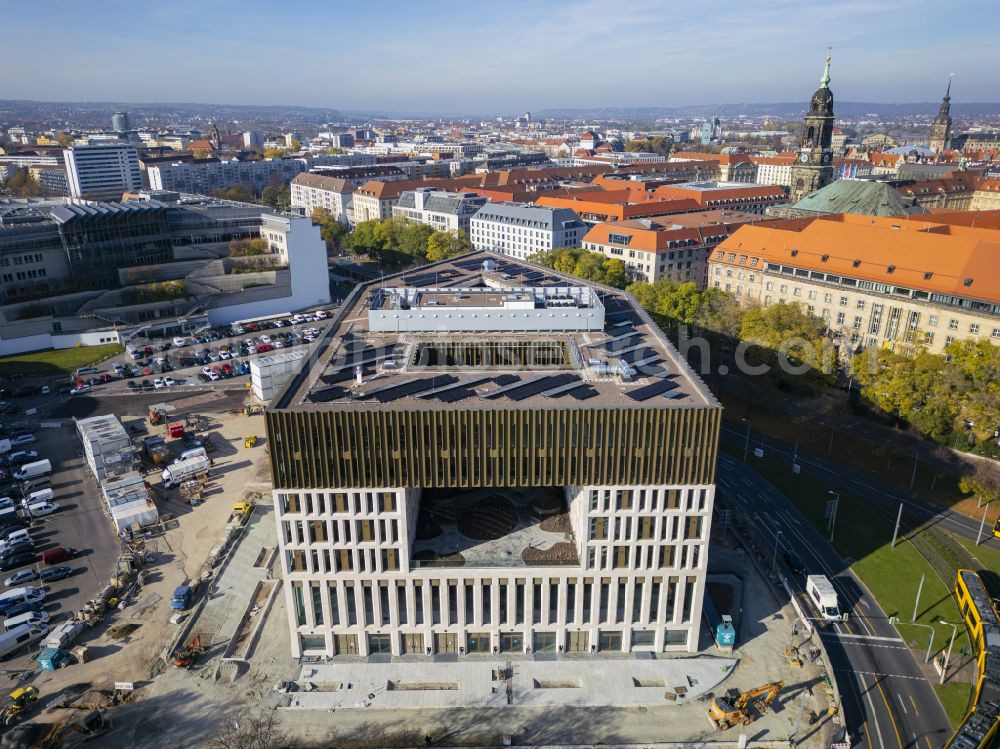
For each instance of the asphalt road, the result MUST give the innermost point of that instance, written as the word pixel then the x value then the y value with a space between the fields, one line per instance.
pixel 887 703
pixel 880 494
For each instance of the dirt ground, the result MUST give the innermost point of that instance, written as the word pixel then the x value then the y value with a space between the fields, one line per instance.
pixel 177 557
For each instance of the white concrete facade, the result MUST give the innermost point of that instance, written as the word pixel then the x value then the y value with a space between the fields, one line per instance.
pixel 353 588
pixel 523 230
pixel 102 172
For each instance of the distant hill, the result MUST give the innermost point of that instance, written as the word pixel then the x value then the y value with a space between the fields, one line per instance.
pixel 777 109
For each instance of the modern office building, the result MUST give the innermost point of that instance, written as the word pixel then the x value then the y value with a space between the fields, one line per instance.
pixel 120 122
pixel 76 266
pixel 889 283
pixel 520 230
pixel 486 458
pixel 102 172
pixel 444 211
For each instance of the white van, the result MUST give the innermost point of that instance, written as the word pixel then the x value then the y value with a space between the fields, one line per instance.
pixel 21 534
pixel 6 503
pixel 34 618
pixel 25 594
pixel 41 509
pixel 43 495
pixel 194 452
pixel 20 637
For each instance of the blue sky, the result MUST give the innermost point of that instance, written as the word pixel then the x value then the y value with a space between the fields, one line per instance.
pixel 498 56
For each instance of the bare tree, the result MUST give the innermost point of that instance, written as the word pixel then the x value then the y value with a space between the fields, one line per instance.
pixel 250 729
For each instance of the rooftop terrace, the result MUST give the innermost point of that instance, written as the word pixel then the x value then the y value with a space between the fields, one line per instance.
pixel 485 331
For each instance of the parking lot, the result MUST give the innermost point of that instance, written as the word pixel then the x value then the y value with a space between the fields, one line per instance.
pixel 212 357
pixel 80 523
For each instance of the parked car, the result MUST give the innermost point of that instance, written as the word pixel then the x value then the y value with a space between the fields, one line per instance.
pixel 169 382
pixel 793 561
pixel 213 376
pixel 80 389
pixel 179 341
pixel 17 560
pixel 20 577
pixel 21 440
pixel 158 383
pixel 22 456
pixel 58 554
pixel 51 574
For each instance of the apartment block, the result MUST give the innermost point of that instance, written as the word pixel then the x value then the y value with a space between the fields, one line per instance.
pixel 490 459
pixel 311 191
pixel 204 176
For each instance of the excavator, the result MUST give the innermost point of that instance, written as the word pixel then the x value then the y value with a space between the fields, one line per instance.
pixel 185 658
pixel 21 700
pixel 737 708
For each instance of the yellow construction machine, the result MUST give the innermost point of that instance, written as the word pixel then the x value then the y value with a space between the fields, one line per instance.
pixel 21 700
pixel 742 708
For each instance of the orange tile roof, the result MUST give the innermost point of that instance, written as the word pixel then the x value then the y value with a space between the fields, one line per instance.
pixel 704 197
pixel 865 247
pixel 779 160
pixel 616 206
pixel 656 234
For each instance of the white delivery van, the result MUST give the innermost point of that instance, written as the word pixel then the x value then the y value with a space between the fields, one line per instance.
pixel 42 495
pixel 25 594
pixel 823 597
pixel 41 509
pixel 21 534
pixel 20 637
pixel 35 618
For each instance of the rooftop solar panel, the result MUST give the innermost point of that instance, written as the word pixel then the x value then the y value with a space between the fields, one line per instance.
pixel 660 386
pixel 583 394
pixel 538 386
pixel 328 394
pixel 410 387
pixel 563 389
pixel 454 386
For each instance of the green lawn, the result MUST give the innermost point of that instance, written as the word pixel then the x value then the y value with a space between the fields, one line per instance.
pixel 891 574
pixel 987 553
pixel 58 361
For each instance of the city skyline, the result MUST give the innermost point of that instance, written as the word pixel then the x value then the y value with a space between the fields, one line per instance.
pixel 644 54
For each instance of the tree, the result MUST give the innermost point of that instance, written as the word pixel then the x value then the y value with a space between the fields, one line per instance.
pixel 591 266
pixel 64 139
pixel 277 196
pixel 275 153
pixel 321 216
pixel 250 729
pixel 983 484
pixel 639 145
pixel 784 332
pixel 333 233
pixel 239 193
pixel 445 244
pixel 21 184
pixel 248 247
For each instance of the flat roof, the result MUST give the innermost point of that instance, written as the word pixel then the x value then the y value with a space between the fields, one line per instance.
pixel 394 373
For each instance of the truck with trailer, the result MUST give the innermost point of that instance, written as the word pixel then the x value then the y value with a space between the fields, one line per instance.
pixel 191 468
pixel 823 597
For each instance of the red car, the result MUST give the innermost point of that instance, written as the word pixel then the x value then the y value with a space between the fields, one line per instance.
pixel 227 370
pixel 105 378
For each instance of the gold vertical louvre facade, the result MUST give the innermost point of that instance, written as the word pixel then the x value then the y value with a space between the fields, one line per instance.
pixel 315 449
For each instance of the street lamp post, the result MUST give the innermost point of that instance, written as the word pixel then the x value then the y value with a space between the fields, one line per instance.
pixel 774 558
pixel 894 620
pixel 947 658
pixel 833 513
pixel 746 448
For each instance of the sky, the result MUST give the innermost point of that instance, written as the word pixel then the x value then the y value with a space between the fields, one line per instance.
pixel 498 56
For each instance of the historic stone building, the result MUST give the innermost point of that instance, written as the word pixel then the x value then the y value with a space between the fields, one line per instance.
pixel 813 168
pixel 941 129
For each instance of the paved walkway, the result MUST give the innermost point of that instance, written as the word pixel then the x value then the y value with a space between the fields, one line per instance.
pixel 230 592
pixel 605 682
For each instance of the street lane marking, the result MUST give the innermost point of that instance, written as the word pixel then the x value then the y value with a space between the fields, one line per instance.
pixel 864 637
pixel 905 711
pixel 876 673
pixel 914 703
pixel 871 707
pixel 892 718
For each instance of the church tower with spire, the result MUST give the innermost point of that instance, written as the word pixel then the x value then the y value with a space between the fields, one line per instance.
pixel 813 166
pixel 941 129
